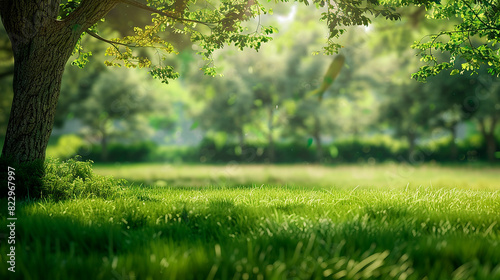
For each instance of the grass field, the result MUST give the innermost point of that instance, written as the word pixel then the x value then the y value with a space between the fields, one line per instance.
pixel 268 222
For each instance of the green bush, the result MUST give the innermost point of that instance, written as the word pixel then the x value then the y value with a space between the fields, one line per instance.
pixel 56 180
pixel 176 154
pixel 118 152
pixel 378 148
pixel 76 179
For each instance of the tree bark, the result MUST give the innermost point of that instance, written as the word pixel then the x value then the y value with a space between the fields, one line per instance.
pixel 41 46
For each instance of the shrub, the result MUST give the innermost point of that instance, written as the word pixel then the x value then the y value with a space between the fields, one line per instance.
pixel 176 154
pixel 76 179
pixel 118 152
pixel 379 148
pixel 56 180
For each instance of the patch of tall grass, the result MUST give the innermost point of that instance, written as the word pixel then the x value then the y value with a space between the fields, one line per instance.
pixel 76 179
pixel 58 180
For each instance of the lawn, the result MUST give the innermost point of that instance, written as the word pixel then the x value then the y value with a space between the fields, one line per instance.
pixel 268 222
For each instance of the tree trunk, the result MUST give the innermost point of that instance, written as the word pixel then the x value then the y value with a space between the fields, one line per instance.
pixel 241 143
pixel 38 70
pixel 411 142
pixel 104 145
pixel 453 144
pixel 41 46
pixel 271 152
pixel 491 147
pixel 317 139
pixel 489 138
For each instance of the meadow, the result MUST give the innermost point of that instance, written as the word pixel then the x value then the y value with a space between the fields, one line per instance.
pixel 268 222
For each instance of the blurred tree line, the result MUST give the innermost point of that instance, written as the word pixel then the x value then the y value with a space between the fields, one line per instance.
pixel 259 110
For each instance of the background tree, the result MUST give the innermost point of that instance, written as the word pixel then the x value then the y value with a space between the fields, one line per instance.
pixel 117 105
pixel 310 115
pixel 228 109
pixel 484 105
pixel 446 96
pixel 406 113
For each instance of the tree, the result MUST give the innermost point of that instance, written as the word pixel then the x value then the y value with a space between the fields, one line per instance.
pixel 45 33
pixel 116 102
pixel 228 108
pixel 484 106
pixel 310 115
pixel 447 96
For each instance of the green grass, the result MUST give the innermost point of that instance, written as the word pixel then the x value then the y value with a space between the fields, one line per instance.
pixel 268 222
pixel 345 176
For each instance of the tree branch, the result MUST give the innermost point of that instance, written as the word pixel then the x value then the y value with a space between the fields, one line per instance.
pixel 88 13
pixel 163 13
pixel 482 126
pixel 93 34
pixel 476 15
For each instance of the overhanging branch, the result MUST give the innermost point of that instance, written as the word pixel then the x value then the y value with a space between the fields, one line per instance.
pixel 163 13
pixel 93 34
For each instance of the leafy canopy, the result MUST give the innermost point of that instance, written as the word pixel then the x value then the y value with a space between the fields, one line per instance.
pixel 471 43
pixel 211 25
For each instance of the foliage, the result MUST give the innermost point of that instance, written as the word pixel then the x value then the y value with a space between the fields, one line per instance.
pixel 120 152
pixel 107 105
pixel 55 180
pixel 74 179
pixel 228 105
pixel 412 230
pixel 471 43
pixel 213 25
pixel 373 149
